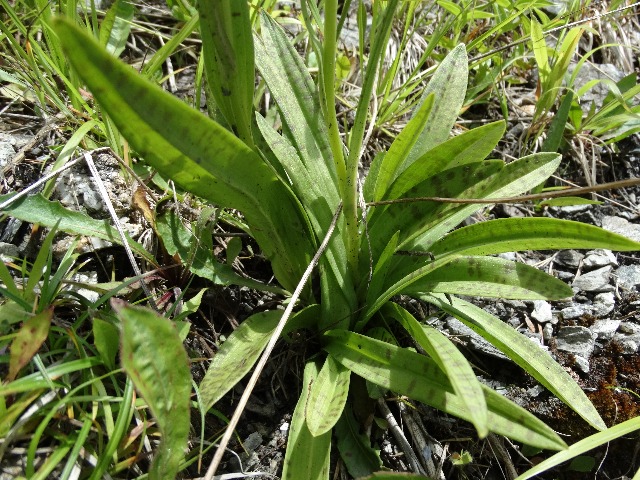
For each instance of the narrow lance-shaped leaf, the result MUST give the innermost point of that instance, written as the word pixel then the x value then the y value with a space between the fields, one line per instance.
pixel 195 152
pixel 153 356
pixel 419 377
pixel 355 447
pixel 537 362
pixel 327 397
pixel 451 362
pixel 401 147
pixel 227 46
pixel 241 350
pixel 517 234
pixel 492 277
pixel 28 341
pixel 37 209
pixel 307 456
pixel 589 443
pixel 449 86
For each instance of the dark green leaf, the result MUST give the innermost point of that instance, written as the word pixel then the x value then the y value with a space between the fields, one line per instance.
pixel 354 446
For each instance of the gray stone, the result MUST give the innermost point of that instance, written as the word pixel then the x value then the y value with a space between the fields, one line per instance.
pixel 8 250
pixel 541 311
pixel 566 276
pixel 595 281
pixel 575 311
pixel 622 227
pixel 598 259
pixel 577 340
pixel 582 363
pixel 569 258
pixel 7 152
pixel 605 329
pixel 628 276
pixel 547 331
pixel 630 328
pixel 603 304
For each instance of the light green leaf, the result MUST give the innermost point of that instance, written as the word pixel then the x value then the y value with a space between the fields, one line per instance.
pixel 515 178
pixel 195 152
pixel 467 148
pixel 36 209
pixel 449 86
pixel 179 240
pixel 537 362
pixel 539 47
pixel 307 456
pixel 397 154
pixel 241 350
pixel 115 28
pixel 355 447
pixel 28 341
pixel 237 355
pixel 227 45
pixel 106 339
pixel 457 369
pixel 154 358
pixel 517 234
pixel 491 277
pixel 327 397
pixel 419 377
pixel 583 446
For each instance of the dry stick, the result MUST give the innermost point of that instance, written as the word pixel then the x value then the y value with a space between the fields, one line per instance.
pixel 267 351
pixel 116 221
pixel 397 432
pixel 631 182
pixel 553 30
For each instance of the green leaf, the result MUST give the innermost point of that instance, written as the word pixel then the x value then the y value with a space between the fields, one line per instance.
pixel 558 124
pixel 491 277
pixel 539 47
pixel 307 456
pixel 237 355
pixel 467 148
pixel 457 369
pixel 227 45
pixel 28 341
pixel 401 147
pixel 419 377
pixel 517 234
pixel 354 446
pixel 514 179
pixel 327 397
pixel 533 359
pixel 198 154
pixel 568 201
pixel 449 86
pixel 115 28
pixel 36 209
pixel 106 339
pixel 296 95
pixel 583 446
pixel 154 358
pixel 177 239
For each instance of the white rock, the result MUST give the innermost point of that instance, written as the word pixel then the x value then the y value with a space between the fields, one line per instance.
pixel 603 304
pixel 628 276
pixel 595 281
pixel 622 227
pixel 599 258
pixel 605 329
pixel 541 311
pixel 577 340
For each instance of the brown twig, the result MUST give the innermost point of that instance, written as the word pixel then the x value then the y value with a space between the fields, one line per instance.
pixel 631 182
